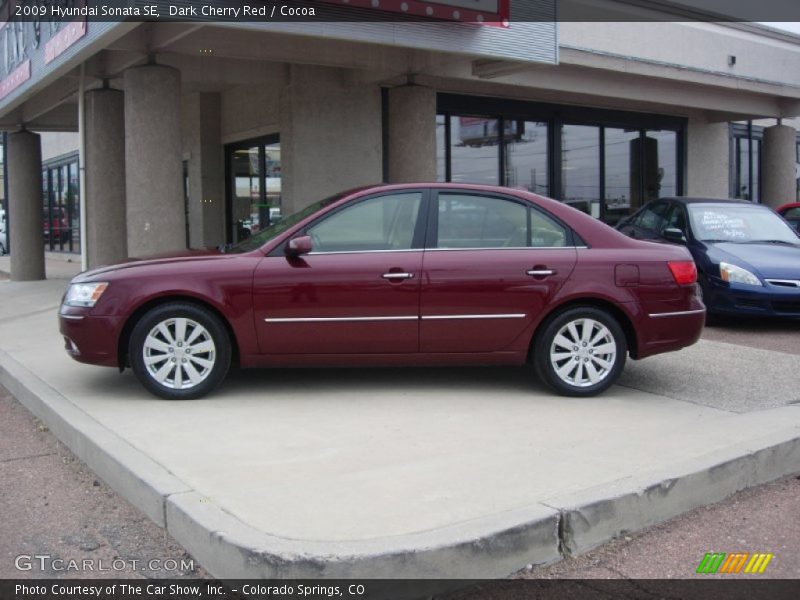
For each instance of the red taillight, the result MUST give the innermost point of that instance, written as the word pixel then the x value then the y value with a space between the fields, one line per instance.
pixel 683 271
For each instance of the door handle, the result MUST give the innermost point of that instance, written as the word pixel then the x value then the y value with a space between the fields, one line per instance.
pixel 540 272
pixel 397 276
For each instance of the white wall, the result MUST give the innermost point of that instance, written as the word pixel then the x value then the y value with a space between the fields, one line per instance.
pixel 58 144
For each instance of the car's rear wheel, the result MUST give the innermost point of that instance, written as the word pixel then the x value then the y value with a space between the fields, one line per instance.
pixel 180 351
pixel 580 352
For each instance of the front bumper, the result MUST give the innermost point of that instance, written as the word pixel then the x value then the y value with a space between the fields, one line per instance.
pixel 767 301
pixel 90 339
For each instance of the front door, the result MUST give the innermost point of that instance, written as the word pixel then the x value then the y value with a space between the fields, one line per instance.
pixel 357 292
pixel 493 263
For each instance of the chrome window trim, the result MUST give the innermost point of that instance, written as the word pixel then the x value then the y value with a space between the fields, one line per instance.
pixel 678 313
pixel 312 253
pixel 448 250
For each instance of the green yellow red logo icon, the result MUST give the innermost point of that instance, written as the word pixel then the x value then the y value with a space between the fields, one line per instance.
pixel 734 562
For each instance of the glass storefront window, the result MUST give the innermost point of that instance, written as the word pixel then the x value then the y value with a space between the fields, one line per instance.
pixel 441 145
pixel 474 143
pixel 247 192
pixel 75 208
pixel 61 207
pixel 747 166
pixel 580 167
pixel 526 156
pixel 622 159
pixel 607 164
pixel 667 161
pixel 254 200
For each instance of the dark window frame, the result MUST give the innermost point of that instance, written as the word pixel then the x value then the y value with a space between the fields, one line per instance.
pixel 230 184
pixel 555 115
pixel 53 168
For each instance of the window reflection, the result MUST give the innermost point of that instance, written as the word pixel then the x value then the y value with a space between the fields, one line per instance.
pixel 580 167
pixel 61 207
pixel 255 187
pixel 441 144
pixel 526 157
pixel 474 150
pixel 667 160
pixel 622 173
pixel 606 171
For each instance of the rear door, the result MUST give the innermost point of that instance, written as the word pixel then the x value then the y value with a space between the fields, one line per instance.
pixel 491 264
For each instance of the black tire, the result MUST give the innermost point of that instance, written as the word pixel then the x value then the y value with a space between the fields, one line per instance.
pixel 712 318
pixel 208 365
pixel 546 361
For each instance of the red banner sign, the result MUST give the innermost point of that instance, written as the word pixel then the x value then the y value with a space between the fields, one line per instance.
pixel 15 79
pixel 490 12
pixel 58 44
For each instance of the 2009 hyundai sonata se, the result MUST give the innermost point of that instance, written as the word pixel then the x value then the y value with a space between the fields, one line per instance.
pixel 416 274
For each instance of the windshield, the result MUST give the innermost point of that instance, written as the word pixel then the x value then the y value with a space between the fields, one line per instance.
pixel 739 223
pixel 271 232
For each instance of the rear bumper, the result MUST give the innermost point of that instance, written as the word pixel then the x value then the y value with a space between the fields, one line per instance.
pixel 671 330
pixel 90 339
pixel 767 301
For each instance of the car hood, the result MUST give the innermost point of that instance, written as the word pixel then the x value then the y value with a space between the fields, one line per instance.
pixel 173 257
pixel 772 261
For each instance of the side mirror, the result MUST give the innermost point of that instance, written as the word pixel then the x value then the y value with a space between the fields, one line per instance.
pixel 674 235
pixel 299 246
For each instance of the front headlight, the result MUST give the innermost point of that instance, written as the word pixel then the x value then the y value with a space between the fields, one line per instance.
pixel 733 274
pixel 85 294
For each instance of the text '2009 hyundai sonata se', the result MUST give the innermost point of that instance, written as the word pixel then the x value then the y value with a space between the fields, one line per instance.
pixel 395 275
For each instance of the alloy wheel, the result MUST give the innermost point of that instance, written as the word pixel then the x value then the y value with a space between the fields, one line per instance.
pixel 179 353
pixel 583 352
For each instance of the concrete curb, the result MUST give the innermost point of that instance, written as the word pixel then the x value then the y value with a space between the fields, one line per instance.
pixel 142 481
pixel 228 548
pixel 489 547
pixel 594 516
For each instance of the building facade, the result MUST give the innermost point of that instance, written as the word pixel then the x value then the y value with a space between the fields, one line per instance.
pixel 131 139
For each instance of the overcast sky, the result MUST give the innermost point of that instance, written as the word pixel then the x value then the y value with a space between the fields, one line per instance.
pixel 793 27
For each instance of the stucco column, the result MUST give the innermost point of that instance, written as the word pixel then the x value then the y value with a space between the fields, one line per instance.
pixel 778 159
pixel 412 134
pixel 156 220
pixel 106 232
pixel 708 158
pixel 25 206
pixel 202 142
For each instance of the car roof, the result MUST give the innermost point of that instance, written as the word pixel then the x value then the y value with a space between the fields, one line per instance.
pixel 694 200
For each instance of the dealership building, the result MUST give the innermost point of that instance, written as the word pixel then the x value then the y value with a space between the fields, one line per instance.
pixel 127 139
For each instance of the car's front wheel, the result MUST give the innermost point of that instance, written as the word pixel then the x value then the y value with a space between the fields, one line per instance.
pixel 580 352
pixel 180 351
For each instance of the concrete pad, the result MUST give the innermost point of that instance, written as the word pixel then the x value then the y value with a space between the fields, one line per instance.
pixel 392 472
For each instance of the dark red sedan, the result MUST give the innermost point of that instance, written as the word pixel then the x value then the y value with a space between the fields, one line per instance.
pixel 415 274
